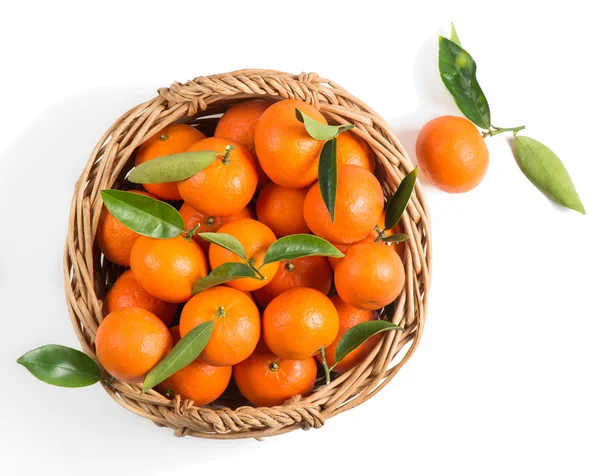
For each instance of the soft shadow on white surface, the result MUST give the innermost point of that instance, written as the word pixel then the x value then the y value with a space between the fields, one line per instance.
pixel 433 99
pixel 39 170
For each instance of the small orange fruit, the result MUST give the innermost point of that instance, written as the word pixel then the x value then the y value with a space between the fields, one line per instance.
pixel 281 209
pixel 197 381
pixel 288 155
pixel 236 324
pixel 173 139
pixel 256 238
pixel 191 218
pixel 127 292
pixel 358 207
pixel 297 323
pixel 168 269
pixel 114 239
pixel 371 237
pixel 350 317
pixel 239 124
pixel 370 276
pixel 452 154
pixel 266 380
pixel 130 342
pixel 227 185
pixel 309 272
pixel 353 150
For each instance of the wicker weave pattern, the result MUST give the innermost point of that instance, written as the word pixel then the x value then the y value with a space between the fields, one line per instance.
pixel 86 277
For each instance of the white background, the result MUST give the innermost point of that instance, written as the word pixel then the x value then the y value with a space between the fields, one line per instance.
pixel 506 378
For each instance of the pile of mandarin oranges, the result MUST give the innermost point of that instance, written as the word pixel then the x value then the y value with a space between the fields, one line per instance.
pixel 269 335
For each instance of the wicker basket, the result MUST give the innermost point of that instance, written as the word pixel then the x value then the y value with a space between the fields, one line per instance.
pixel 197 102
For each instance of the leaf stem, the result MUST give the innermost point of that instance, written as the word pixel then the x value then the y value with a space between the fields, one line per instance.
pixel 192 232
pixel 499 130
pixel 250 262
pixel 380 234
pixel 325 366
pixel 228 150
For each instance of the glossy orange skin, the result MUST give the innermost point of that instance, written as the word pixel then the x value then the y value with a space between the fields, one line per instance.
pixel 192 217
pixel 297 323
pixel 168 269
pixel 235 335
pixel 266 380
pixel 350 317
pixel 309 272
pixel 358 206
pixel 281 209
pixel 239 124
pixel 452 154
pixel 226 186
pixel 127 292
pixel 370 276
pixel 286 152
pixel 197 381
pixel 114 239
pixel 173 139
pixel 371 237
pixel 256 238
pixel 130 342
pixel 353 150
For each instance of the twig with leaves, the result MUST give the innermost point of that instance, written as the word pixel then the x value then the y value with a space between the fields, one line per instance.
pixel 538 163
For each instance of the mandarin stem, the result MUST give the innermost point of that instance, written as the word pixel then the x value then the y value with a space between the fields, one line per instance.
pixel 499 130
pixel 325 366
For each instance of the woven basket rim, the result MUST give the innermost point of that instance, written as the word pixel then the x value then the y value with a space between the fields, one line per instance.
pixel 190 102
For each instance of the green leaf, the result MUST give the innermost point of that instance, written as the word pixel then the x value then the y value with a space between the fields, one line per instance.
pixel 185 351
pixel 172 168
pixel 396 238
pixel 61 366
pixel 226 241
pixel 223 274
pixel 328 176
pixel 360 333
pixel 399 201
pixel 458 72
pixel 319 131
pixel 546 171
pixel 143 214
pixel 298 246
pixel 454 36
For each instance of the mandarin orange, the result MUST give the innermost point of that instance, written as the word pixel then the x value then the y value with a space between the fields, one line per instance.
pixel 358 206
pixel 281 209
pixel 197 381
pixel 130 342
pixel 114 239
pixel 266 380
pixel 173 139
pixel 349 317
pixel 452 154
pixel 168 269
pixel 297 323
pixel 192 217
pixel 238 124
pixel 353 150
pixel 287 154
pixel 370 276
pixel 127 292
pixel 310 272
pixel 256 238
pixel 227 185
pixel 236 324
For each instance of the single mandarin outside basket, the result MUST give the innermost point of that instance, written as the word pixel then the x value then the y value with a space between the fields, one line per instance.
pixel 198 102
